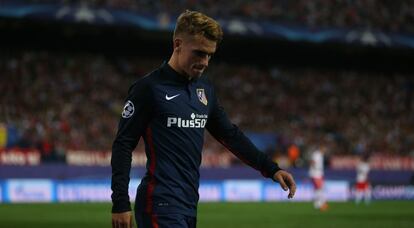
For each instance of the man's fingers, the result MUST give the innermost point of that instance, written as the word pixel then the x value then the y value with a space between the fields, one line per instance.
pixel 122 220
pixel 115 224
pixel 287 182
pixel 126 224
pixel 289 186
pixel 282 183
pixel 121 224
pixel 292 188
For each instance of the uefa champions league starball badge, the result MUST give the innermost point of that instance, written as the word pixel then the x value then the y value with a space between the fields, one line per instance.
pixel 128 109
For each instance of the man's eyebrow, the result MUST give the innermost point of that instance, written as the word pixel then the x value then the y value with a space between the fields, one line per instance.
pixel 204 52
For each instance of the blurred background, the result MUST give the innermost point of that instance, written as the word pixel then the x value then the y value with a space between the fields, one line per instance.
pixel 291 74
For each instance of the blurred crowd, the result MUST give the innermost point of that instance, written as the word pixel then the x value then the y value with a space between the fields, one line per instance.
pixel 351 112
pixel 383 15
pixel 61 101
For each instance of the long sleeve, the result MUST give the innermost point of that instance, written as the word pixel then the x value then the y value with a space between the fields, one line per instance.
pixel 234 140
pixel 134 119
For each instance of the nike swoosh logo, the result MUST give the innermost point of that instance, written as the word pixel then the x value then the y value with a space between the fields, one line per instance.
pixel 172 97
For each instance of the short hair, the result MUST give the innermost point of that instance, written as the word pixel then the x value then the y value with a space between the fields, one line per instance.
pixel 196 23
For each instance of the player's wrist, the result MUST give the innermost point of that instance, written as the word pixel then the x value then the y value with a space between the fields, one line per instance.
pixel 274 173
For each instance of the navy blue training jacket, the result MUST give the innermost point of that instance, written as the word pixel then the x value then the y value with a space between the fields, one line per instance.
pixel 171 112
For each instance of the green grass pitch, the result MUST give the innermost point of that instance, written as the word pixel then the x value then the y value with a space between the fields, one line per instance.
pixel 392 214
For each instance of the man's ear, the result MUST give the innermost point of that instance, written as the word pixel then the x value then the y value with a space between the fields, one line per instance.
pixel 177 44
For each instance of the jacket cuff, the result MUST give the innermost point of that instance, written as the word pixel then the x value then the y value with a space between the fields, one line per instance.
pixel 270 168
pixel 120 207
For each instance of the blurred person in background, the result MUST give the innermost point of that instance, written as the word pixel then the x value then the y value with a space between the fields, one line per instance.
pixel 316 173
pixel 170 108
pixel 363 188
pixel 293 154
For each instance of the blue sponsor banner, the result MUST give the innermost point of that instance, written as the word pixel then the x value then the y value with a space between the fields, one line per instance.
pixel 1 191
pixel 336 190
pixel 243 190
pixel 29 190
pixel 99 190
pixel 89 190
pixel 211 191
pixel 396 192
pixel 85 190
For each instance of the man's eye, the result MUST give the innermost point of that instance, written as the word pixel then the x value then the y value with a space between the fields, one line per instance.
pixel 202 54
pixel 199 53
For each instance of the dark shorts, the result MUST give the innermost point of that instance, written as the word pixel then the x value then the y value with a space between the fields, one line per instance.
pixel 145 220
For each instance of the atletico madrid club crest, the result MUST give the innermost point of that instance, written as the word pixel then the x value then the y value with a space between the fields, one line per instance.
pixel 202 96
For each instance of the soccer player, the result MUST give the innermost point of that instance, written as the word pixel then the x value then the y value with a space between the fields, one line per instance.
pixel 363 188
pixel 316 173
pixel 170 108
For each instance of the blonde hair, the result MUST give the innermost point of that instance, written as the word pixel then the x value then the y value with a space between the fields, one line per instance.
pixel 196 23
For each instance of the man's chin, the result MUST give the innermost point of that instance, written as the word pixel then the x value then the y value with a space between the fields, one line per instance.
pixel 196 74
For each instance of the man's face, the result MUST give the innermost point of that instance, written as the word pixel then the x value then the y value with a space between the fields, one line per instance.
pixel 194 53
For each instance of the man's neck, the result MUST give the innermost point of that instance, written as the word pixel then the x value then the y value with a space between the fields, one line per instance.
pixel 174 65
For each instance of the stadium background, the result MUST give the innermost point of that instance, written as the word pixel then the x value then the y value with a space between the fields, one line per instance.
pixel 290 73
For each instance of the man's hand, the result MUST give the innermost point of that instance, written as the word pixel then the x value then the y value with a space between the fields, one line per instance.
pixel 286 181
pixel 122 220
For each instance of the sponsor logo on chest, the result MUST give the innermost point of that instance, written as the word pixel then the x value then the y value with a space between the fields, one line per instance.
pixel 195 121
